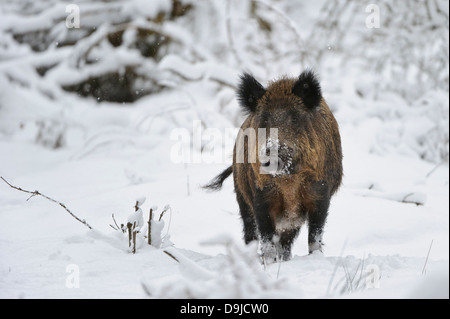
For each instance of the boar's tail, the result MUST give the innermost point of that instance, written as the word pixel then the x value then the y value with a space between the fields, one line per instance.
pixel 216 183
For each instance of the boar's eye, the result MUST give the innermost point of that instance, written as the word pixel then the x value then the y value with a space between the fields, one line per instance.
pixel 307 87
pixel 249 92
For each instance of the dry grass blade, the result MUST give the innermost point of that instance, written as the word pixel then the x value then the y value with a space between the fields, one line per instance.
pixel 336 267
pixel 426 260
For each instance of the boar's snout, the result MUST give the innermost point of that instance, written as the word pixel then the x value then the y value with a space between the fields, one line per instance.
pixel 276 158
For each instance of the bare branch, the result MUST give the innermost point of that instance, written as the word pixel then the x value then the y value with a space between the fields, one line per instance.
pixel 171 256
pixel 37 193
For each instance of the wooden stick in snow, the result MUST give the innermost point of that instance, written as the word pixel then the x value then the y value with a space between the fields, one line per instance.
pixel 129 233
pixel 134 238
pixel 150 227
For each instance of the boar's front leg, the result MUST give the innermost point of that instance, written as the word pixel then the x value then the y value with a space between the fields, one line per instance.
pixel 317 218
pixel 266 227
pixel 287 238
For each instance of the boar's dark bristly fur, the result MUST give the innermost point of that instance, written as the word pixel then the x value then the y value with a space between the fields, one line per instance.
pixel 275 205
pixel 216 183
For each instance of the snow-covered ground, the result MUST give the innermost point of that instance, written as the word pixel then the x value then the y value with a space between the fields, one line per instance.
pixel 368 223
pixel 387 234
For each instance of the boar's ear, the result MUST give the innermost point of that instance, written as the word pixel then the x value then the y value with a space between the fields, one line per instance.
pixel 249 92
pixel 308 89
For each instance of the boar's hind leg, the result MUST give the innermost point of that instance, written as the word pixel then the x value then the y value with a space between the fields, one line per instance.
pixel 317 218
pixel 248 219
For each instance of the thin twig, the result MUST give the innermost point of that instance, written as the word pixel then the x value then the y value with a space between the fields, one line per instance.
pixel 150 218
pixel 170 223
pixel 146 290
pixel 279 267
pixel 171 256
pixel 163 212
pixel 37 193
pixel 129 234
pixel 435 168
pixel 406 201
pixel 115 224
pixel 426 260
pixel 134 238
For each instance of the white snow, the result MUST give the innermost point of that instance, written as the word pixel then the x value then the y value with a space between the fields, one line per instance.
pixel 136 219
pixel 388 225
pixel 140 201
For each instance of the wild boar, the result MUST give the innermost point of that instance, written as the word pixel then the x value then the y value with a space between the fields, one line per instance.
pixel 286 179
